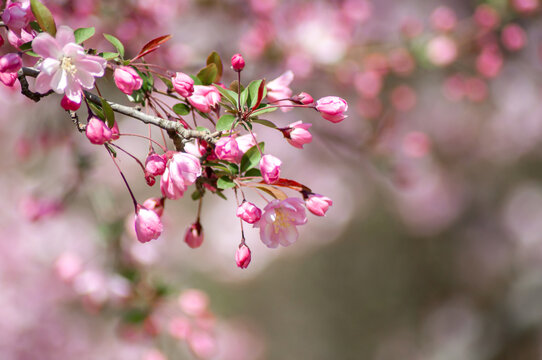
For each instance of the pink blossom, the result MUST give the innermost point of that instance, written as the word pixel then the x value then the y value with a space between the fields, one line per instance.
pixel 148 225
pixel 194 302
pixel 226 148
pixel 442 50
pixel 270 168
pixel 18 38
pixel 97 131
pixel 68 266
pixel 369 83
pixel 203 344
pixel 155 204
pixel 245 142
pixel 8 79
pixel 194 235
pixel 17 15
pixel 489 62
pixel 183 84
pixel 10 63
pixel 127 79
pixel 182 171
pixel 204 98
pixel 513 37
pixel 278 89
pixel 195 148
pixel 65 67
pixel 304 98
pixel 1 41
pixel 155 164
pixel 249 212
pixel 243 256
pixel 279 221
pixel 68 104
pixel 443 19
pixel 318 204
pixel 297 134
pixel 237 62
pixel 486 17
pixel 525 6
pixel 332 108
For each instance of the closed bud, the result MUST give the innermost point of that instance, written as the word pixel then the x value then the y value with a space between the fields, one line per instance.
pixel 243 256
pixel 17 15
pixel 226 148
pixel 183 84
pixel 249 212
pixel 297 134
pixel 150 179
pixel 237 62
pixel 194 235
pixel 303 98
pixel 10 63
pixel 318 204
pixel 332 108
pixel 155 204
pixel 155 164
pixel 127 79
pixel 97 131
pixel 8 79
pixel 68 104
pixel 148 225
pixel 270 168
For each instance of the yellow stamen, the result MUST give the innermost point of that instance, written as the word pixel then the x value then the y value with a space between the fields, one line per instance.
pixel 68 66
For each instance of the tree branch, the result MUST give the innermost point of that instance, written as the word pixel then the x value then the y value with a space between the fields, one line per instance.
pixel 167 125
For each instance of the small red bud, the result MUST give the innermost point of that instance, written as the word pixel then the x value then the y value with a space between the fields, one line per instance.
pixel 237 62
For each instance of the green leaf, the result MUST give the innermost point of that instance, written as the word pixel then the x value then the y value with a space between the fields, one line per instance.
pixel 181 109
pixel 214 58
pixel 135 315
pixel 202 128
pixel 96 110
pixel 225 122
pixel 228 94
pixel 109 55
pixel 166 81
pixel 251 158
pixel 35 26
pixel 253 89
pixel 253 172
pixel 83 34
pixel 244 98
pixel 116 43
pixel 264 110
pixel 43 16
pixel 225 183
pixel 265 123
pixel 208 74
pixel 196 195
pixel 109 113
pixel 197 81
pixel 221 194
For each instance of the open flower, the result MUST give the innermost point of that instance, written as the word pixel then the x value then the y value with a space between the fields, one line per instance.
pixel 279 221
pixel 182 171
pixel 278 89
pixel 147 224
pixel 204 98
pixel 65 67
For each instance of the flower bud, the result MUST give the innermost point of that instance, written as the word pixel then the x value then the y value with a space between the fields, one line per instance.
pixel 243 256
pixel 115 134
pixel 10 63
pixel 150 179
pixel 249 212
pixel 183 84
pixel 270 168
pixel 8 79
pixel 127 79
pixel 16 16
pixel 237 62
pixel 194 235
pixel 318 204
pixel 155 164
pixel 97 131
pixel 204 98
pixel 148 225
pixel 155 204
pixel 226 148
pixel 297 134
pixel 305 98
pixel 332 108
pixel 68 104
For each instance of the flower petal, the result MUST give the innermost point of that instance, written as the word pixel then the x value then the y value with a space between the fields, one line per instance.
pixel 49 66
pixel 59 81
pixel 288 235
pixel 84 78
pixel 43 82
pixel 64 36
pixel 95 68
pixel 46 46
pixel 73 50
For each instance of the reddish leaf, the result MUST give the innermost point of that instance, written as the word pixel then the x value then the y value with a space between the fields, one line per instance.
pixel 291 184
pixel 152 45
pixel 260 94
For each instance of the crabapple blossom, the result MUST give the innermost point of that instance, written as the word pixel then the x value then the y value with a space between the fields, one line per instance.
pixel 243 256
pixel 182 170
pixel 68 104
pixel 8 79
pixel 127 79
pixel 148 225
pixel 10 63
pixel 204 98
pixel 183 84
pixel 249 212
pixel 226 148
pixel 278 89
pixel 318 204
pixel 65 67
pixel 155 164
pixel 297 134
pixel 97 131
pixel 279 220
pixel 17 15
pixel 270 168
pixel 194 235
pixel 237 62
pixel 332 108
pixel 305 98
pixel 513 37
pixel 155 204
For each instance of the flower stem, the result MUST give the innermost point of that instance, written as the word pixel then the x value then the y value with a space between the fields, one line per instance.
pixel 123 177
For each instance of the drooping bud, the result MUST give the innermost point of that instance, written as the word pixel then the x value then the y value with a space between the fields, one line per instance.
pixel 332 108
pixel 194 235
pixel 97 131
pixel 249 212
pixel 183 84
pixel 237 62
pixel 243 256
pixel 148 225
pixel 155 164
pixel 68 104
pixel 127 79
pixel 16 15
pixel 155 204
pixel 303 98
pixel 10 63
pixel 297 134
pixel 115 134
pixel 318 204
pixel 270 168
pixel 226 148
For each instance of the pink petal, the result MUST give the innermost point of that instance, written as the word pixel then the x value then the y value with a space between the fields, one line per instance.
pixel 85 79
pixel 59 81
pixel 64 36
pixel 93 67
pixel 46 46
pixel 73 91
pixel 289 235
pixel 49 65
pixel 43 83
pixel 73 50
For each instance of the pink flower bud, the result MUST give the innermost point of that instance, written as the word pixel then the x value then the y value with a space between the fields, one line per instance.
pixel 513 37
pixel 8 79
pixel 17 15
pixel 127 79
pixel 243 256
pixel 249 212
pixel 155 164
pixel 305 98
pixel 1 40
pixel 204 98
pixel 155 204
pixel 318 204
pixel 297 134
pixel 442 50
pixel 147 225
pixel 10 63
pixel 237 62
pixel 443 19
pixel 486 17
pixel 97 131
pixel 270 168
pixel 183 84
pixel 115 134
pixel 194 235
pixel 150 179
pixel 226 148
pixel 68 104
pixel 332 108
pixel 525 6
pixel 182 170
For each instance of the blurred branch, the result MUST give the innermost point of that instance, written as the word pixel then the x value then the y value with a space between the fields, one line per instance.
pixel 167 125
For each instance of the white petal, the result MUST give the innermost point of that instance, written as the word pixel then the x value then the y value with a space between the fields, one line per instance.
pixel 85 79
pixel 73 50
pixel 93 67
pixel 59 81
pixel 43 83
pixel 49 66
pixel 288 235
pixel 64 36
pixel 46 46
pixel 73 91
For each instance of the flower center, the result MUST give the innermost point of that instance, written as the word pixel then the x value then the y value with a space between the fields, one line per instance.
pixel 68 66
pixel 282 220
